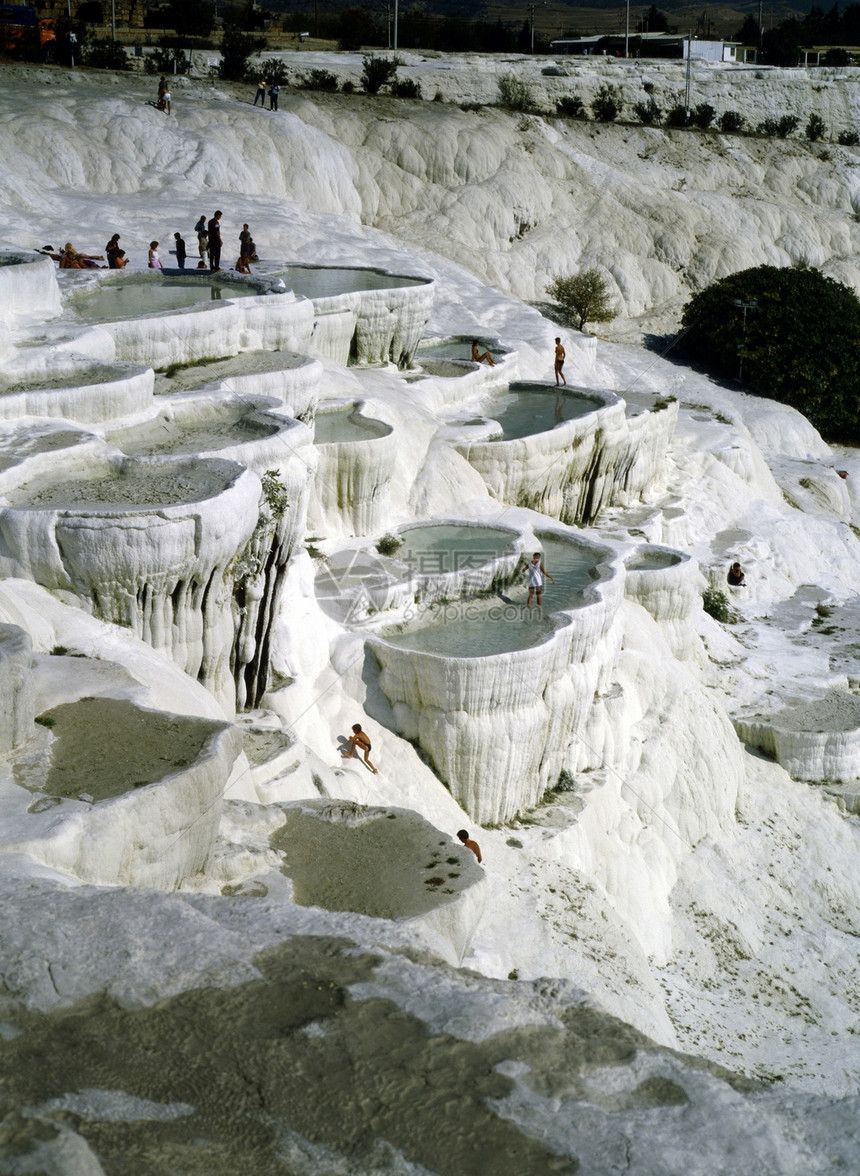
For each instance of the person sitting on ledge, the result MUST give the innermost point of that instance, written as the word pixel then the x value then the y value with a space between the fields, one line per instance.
pixel 736 576
pixel 478 357
pixel 470 844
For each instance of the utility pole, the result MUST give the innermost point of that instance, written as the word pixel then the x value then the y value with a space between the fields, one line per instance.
pixel 113 19
pixel 627 31
pixel 745 306
pixel 395 25
pixel 760 29
pixel 689 82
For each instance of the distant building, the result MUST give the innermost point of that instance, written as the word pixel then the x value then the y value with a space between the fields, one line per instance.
pixel 672 45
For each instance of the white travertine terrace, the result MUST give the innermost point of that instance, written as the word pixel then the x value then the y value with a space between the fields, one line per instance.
pixel 574 470
pixel 496 727
pixel 276 321
pixel 17 705
pixel 163 567
pixel 817 740
pixel 351 488
pixel 426 585
pixel 81 394
pixel 28 287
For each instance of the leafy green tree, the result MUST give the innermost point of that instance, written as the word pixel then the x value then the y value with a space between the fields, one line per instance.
pixel 731 122
pixel 781 46
pixel 749 32
pixel 584 297
pixel 649 113
pixel 653 21
pixel 236 50
pixel 191 18
pixel 356 29
pixel 801 342
pixel 836 56
pixel 105 53
pixel 165 59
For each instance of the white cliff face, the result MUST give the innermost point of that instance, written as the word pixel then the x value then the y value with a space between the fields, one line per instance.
pixel 671 879
pixel 27 287
pixel 16 684
pixel 354 471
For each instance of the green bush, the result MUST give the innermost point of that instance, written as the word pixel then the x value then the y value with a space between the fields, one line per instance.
pixel 167 59
pixel 801 344
pixel 815 128
pixel 836 56
pixel 650 113
pixel 716 605
pixel 348 87
pixel 406 88
pixel 703 115
pixel 389 544
pixel 273 73
pixel 105 53
pixel 571 106
pixel 514 94
pixel 679 116
pixel 377 72
pixel 731 122
pixel 584 297
pixel 320 79
pixel 769 127
pixel 606 106
pixel 848 138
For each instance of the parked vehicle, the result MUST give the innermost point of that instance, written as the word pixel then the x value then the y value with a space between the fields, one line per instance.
pixel 24 33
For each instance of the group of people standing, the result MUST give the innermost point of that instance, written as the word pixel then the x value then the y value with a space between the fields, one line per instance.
pixel 260 96
pixel 210 243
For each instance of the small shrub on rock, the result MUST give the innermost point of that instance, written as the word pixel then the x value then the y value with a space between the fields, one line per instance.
pixel 848 139
pixel 348 87
pixel 703 115
pixel 815 128
pixel 105 53
pixel 389 544
pixel 650 113
pixel 320 79
pixel 571 106
pixel 514 94
pixel 406 88
pixel 606 106
pixel 716 605
pixel 376 73
pixel 731 122
pixel 678 116
pixel 584 297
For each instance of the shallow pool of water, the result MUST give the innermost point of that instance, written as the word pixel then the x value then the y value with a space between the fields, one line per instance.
pixel 524 411
pixel 117 301
pixel 347 425
pixel 446 547
pixel 501 622
pixel 132 488
pixel 453 349
pixel 326 281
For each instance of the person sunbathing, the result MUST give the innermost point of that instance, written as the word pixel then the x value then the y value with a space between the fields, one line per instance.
pixel 71 259
pixel 479 357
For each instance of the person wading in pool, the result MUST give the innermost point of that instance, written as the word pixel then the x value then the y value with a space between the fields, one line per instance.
pixel 536 572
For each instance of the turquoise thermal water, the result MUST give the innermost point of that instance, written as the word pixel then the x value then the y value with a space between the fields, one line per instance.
pixel 325 282
pixel 537 410
pixel 347 425
pixel 117 301
pixel 446 547
pixel 501 622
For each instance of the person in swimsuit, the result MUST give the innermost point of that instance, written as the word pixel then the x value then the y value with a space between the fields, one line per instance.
pixel 358 740
pixel 477 357
pixel 559 365
pixel 470 844
pixel 536 572
pixel 154 259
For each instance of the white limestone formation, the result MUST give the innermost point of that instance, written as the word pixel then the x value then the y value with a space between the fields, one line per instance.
pixel 17 706
pixel 147 545
pixel 28 287
pixel 86 394
pixel 354 472
pixel 816 740
pixel 497 727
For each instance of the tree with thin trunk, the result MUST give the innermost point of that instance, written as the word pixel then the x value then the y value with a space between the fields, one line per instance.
pixel 584 297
